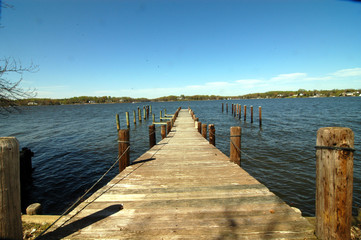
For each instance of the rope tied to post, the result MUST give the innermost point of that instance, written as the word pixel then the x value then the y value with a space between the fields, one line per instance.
pixel 335 148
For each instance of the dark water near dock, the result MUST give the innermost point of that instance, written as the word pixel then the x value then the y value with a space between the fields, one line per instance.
pixel 75 144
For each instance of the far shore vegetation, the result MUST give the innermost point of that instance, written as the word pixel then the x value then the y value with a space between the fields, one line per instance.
pixel 301 93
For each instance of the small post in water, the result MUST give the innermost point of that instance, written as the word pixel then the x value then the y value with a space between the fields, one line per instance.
pixel 260 115
pixel 123 144
pixel 10 207
pixel 152 136
pixel 235 151
pixel 139 115
pixel 127 118
pixel 245 112
pixel 212 134
pixel 239 112
pixel 334 182
pixel 135 117
pixel 251 114
pixel 117 121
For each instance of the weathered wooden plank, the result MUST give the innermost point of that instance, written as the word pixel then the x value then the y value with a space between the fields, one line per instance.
pixel 183 188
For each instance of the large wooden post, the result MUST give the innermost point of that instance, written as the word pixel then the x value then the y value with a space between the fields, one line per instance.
pixel 235 153
pixel 10 206
pixel 123 144
pixel 163 131
pixel 334 182
pixel 204 130
pixel 212 134
pixel 152 139
pixel 245 112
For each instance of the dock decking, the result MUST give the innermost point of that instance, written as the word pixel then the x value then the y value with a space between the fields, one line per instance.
pixel 183 188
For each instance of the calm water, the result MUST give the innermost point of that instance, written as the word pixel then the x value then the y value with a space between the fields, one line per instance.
pixel 75 144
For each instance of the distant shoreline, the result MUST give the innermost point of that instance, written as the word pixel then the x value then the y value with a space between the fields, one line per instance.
pixel 301 93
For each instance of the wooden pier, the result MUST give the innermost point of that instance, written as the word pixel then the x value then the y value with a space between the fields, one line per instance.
pixel 183 188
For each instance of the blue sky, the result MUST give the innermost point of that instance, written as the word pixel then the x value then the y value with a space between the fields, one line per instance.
pixel 158 48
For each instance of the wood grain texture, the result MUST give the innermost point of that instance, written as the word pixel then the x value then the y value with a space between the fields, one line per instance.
pixel 183 188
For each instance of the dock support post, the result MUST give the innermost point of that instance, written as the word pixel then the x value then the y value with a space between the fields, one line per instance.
pixel 123 144
pixel 144 113
pixel 204 130
pixel 152 136
pixel 135 117
pixel 169 127
pixel 153 117
pixel 227 107
pixel 10 207
pixel 117 121
pixel 163 131
pixel 212 134
pixel 245 112
pixel 127 119
pixel 260 115
pixel 199 127
pixel 239 112
pixel 235 151
pixel 139 115
pixel 334 182
pixel 251 114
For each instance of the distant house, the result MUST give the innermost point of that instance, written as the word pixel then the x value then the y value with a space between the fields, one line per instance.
pixel 32 103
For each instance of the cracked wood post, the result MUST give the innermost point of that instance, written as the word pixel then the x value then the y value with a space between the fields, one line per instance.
pixel 334 182
pixel 212 134
pixel 235 154
pixel 123 144
pixel 204 130
pixel 152 136
pixel 10 207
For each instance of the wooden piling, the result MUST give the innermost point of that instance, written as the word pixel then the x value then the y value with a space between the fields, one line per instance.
pixel 153 117
pixel 239 111
pixel 235 153
pixel 251 114
pixel 117 121
pixel 135 117
pixel 139 115
pixel 227 107
pixel 10 207
pixel 260 115
pixel 144 113
pixel 127 118
pixel 199 127
pixel 334 182
pixel 169 127
pixel 245 112
pixel 152 139
pixel 123 144
pixel 163 131
pixel 212 134
pixel 232 108
pixel 204 130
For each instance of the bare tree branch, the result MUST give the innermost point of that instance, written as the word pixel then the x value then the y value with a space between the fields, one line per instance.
pixel 10 89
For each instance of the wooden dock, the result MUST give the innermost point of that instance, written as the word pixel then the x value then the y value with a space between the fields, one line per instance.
pixel 183 188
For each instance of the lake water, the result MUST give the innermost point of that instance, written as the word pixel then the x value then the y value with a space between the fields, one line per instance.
pixel 75 144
